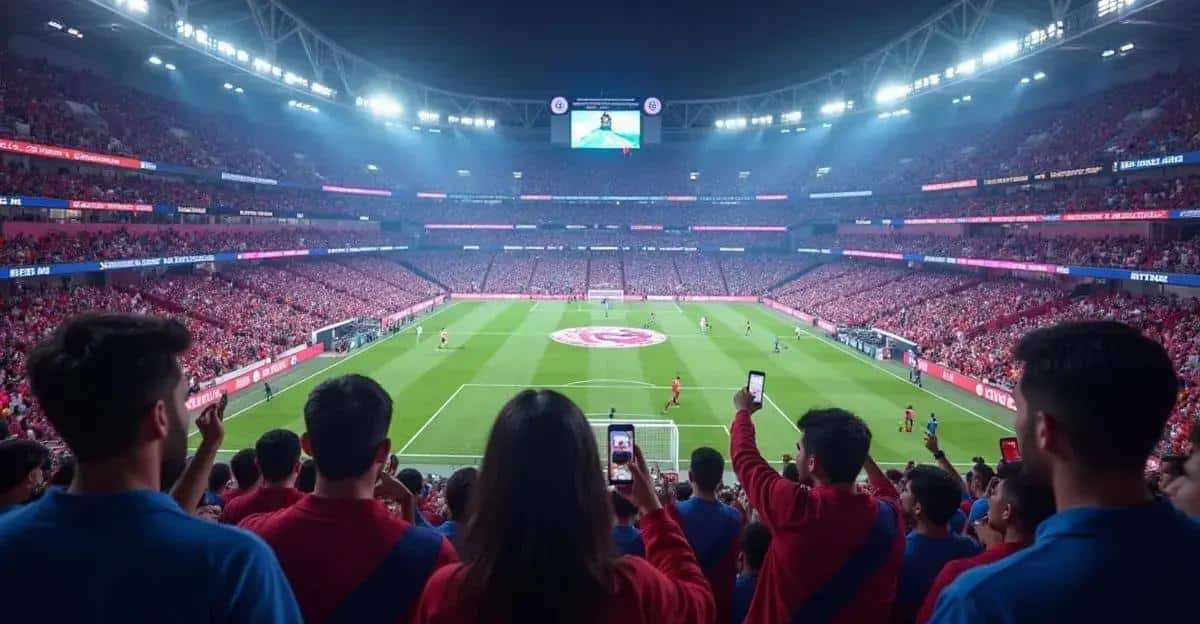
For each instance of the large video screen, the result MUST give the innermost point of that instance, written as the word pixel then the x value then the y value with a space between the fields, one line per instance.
pixel 606 129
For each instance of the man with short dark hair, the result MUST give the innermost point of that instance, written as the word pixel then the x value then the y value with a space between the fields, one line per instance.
pixel 1019 503
pixel 21 472
pixel 929 499
pixel 1092 401
pixel 683 491
pixel 244 465
pixel 458 497
pixel 627 539
pixel 118 549
pixel 347 557
pixel 712 528
pixel 755 540
pixel 415 482
pixel 835 551
pixel 277 454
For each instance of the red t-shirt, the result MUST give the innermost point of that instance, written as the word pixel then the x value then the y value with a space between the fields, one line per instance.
pixel 229 494
pixel 675 386
pixel 327 547
pixel 814 531
pixel 954 568
pixel 259 500
pixel 667 587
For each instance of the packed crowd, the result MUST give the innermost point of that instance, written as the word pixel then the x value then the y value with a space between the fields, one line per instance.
pixel 956 314
pixel 349 534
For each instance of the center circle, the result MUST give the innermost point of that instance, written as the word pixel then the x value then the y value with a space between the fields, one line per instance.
pixel 603 337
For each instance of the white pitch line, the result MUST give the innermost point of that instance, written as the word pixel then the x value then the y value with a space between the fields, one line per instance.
pixel 780 411
pixel 726 428
pixel 602 387
pixel 677 306
pixel 435 415
pixel 331 366
pixel 535 305
pixel 588 381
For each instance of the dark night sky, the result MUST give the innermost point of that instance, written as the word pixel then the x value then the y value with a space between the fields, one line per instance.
pixel 615 47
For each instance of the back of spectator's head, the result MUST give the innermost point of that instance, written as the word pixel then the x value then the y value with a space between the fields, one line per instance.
pixel 893 475
pixel 244 465
pixel 110 383
pixel 218 477
pixel 931 494
pixel 683 491
pixel 346 420
pixel 540 440
pixel 622 508
pixel 458 492
pixel 755 541
pixel 980 477
pixel 306 479
pixel 1094 395
pixel 413 480
pixel 706 470
pixel 834 445
pixel 791 472
pixel 278 454
pixel 1021 498
pixel 21 469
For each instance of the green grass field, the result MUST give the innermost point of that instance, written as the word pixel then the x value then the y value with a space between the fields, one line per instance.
pixel 446 399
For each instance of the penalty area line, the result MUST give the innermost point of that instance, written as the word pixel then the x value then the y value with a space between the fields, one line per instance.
pixel 430 420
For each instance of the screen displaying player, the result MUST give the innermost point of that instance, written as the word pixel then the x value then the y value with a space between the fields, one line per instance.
pixel 618 129
pixel 620 444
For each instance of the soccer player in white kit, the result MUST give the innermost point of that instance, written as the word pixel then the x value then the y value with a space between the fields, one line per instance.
pixel 420 330
pixel 797 332
pixel 704 324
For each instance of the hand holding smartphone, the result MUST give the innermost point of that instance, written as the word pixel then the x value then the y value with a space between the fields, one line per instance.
pixel 756 383
pixel 1010 450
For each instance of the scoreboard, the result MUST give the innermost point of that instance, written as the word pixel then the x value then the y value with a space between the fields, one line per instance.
pixel 605 123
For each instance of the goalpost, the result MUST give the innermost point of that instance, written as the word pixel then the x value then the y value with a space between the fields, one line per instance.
pixel 597 295
pixel 658 439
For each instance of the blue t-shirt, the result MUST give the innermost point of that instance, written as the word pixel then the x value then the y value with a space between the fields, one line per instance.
pixel 628 541
pixel 743 593
pixel 712 529
pixel 958 522
pixel 979 509
pixel 134 557
pixel 1087 565
pixel 924 557
pixel 931 427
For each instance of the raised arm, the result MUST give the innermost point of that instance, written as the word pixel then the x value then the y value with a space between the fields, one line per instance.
pixel 931 443
pixel 776 499
pixel 189 487
pixel 883 486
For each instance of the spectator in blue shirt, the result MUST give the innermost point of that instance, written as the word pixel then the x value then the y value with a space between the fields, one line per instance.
pixel 1091 404
pixel 756 538
pixel 627 539
pixel 22 474
pixel 712 528
pixel 929 499
pixel 118 549
pixel 458 497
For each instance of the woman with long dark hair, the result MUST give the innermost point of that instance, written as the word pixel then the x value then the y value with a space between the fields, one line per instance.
pixel 538 547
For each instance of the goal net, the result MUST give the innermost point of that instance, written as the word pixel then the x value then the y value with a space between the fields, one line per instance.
pixel 658 439
pixel 599 294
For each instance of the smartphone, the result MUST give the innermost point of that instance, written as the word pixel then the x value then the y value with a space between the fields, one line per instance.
pixel 755 382
pixel 620 454
pixel 1009 449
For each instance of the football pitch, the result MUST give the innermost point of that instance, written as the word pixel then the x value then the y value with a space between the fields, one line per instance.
pixel 446 399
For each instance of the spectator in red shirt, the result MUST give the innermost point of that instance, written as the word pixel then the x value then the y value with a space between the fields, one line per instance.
pixel 1018 503
pixel 244 465
pixel 835 551
pixel 348 558
pixel 278 457
pixel 550 558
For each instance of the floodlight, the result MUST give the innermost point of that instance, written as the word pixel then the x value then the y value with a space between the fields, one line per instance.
pixel 827 125
pixel 243 56
pixel 202 37
pixel 1127 47
pixel 75 33
pixel 892 93
pixel 1002 52
pixel 371 167
pixel 55 25
pixel 154 60
pixel 720 123
pixel 491 123
pixel 1108 53
pixel 170 67
pixel 956 100
pixel 791 117
pixel 322 90
pixel 1039 75
pixel 966 67
pixel 453 119
pixel 228 86
pixel 134 6
pixel 833 108
pixel 428 116
pixel 966 98
pixel 239 90
pixel 1025 80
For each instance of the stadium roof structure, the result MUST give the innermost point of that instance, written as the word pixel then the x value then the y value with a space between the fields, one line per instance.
pixel 966 41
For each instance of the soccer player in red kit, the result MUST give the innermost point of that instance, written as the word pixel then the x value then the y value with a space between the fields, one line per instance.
pixel 674 395
pixel 909 417
pixel 445 339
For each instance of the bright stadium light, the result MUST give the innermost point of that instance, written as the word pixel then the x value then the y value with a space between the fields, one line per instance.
pixel 966 67
pixel 380 105
pixel 134 6
pixel 791 117
pixel 371 167
pixel 491 123
pixel 322 90
pixel 228 86
pixel 1039 76
pixel 55 25
pixel 720 124
pixel 74 32
pixel 1025 80
pixel 243 56
pixel 966 98
pixel 826 125
pixel 169 66
pixel 154 60
pixel 1002 52
pixel 956 100
pixel 1107 53
pixel 836 107
pixel 891 93
pixel 1128 47
pixel 428 116
pixel 239 90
